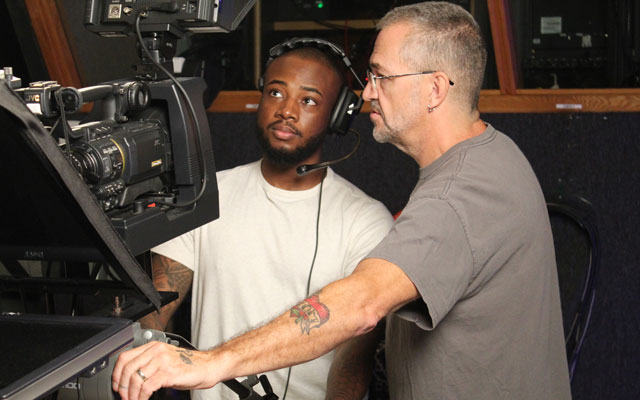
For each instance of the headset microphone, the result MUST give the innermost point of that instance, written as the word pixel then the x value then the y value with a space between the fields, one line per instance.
pixel 306 168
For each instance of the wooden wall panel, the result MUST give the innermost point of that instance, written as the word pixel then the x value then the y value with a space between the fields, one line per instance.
pixel 503 45
pixel 53 41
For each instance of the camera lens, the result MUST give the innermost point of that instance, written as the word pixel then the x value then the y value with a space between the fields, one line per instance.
pixel 86 164
pixel 98 162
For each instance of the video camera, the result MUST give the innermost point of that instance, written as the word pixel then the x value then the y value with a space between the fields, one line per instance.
pixel 139 152
pixel 144 149
pixel 99 150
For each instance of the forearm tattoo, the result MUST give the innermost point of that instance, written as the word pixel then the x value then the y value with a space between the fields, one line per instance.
pixel 309 314
pixel 185 356
pixel 175 274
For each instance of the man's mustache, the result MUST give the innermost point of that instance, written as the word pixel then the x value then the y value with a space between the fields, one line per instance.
pixel 375 106
pixel 285 123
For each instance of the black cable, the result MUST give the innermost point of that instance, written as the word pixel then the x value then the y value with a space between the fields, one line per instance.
pixel 315 251
pixel 63 116
pixel 313 262
pixel 181 339
pixel 581 212
pixel 53 128
pixel 203 160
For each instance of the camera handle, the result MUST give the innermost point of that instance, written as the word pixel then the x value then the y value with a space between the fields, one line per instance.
pixel 244 389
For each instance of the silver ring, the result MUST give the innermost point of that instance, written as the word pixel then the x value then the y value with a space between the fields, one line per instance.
pixel 124 387
pixel 141 374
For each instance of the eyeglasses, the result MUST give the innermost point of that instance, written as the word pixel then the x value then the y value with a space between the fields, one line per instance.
pixel 373 78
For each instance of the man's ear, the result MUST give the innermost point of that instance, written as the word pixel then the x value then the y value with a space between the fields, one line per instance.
pixel 439 90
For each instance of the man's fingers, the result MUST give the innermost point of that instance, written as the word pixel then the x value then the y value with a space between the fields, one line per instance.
pixel 150 385
pixel 142 383
pixel 123 359
pixel 141 371
pixel 133 369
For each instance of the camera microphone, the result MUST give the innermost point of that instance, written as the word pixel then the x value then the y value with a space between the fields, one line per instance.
pixel 306 168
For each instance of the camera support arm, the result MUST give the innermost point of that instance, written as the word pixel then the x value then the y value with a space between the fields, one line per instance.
pixel 113 101
pixel 245 391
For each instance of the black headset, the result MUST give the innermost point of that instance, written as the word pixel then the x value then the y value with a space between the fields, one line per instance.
pixel 348 104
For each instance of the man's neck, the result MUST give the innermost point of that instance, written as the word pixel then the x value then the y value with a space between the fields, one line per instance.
pixel 287 178
pixel 442 134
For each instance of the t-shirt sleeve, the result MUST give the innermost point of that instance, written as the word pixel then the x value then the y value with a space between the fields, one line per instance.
pixel 180 249
pixel 370 226
pixel 428 242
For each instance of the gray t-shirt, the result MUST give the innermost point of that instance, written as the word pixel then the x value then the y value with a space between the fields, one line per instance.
pixel 475 239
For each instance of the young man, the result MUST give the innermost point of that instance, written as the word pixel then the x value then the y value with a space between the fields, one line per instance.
pixel 280 236
pixel 467 275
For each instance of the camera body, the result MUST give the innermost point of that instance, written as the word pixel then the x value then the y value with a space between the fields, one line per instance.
pixel 121 161
pixel 116 156
pixel 137 150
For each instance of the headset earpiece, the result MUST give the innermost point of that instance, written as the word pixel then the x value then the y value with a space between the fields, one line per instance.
pixel 344 111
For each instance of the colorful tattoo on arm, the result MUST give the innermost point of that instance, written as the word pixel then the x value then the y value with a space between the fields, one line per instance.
pixel 309 314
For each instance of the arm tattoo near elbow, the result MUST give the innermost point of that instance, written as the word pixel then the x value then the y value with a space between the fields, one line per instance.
pixel 309 314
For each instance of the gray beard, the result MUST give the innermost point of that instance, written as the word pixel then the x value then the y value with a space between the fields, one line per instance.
pixel 381 135
pixel 384 133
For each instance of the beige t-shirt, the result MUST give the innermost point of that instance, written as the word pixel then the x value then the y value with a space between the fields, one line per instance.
pixel 253 263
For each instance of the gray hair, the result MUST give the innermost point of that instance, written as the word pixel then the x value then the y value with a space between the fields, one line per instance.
pixel 444 37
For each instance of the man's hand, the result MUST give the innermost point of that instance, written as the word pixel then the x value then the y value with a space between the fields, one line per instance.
pixel 141 371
